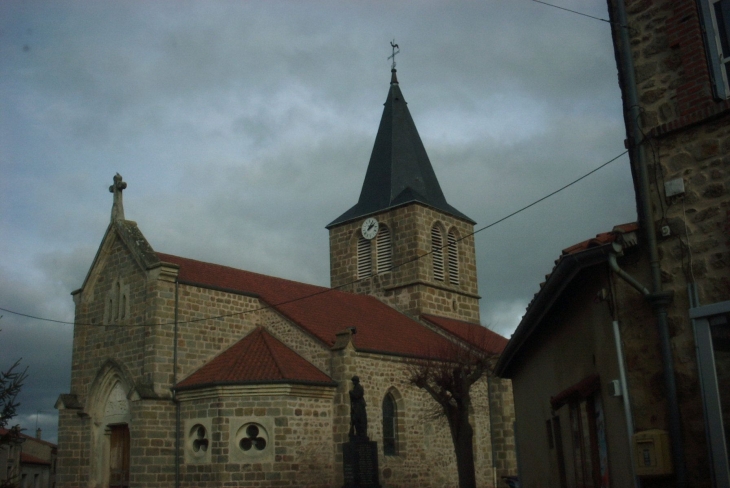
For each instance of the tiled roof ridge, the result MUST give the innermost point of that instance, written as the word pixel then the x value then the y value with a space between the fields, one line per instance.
pixel 265 336
pixel 161 255
pixel 4 431
pixel 225 367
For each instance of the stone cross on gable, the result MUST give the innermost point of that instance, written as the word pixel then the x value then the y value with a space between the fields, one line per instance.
pixel 118 205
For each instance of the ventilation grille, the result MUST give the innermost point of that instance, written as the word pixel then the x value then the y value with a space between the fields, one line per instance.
pixel 437 245
pixel 384 250
pixel 453 260
pixel 364 258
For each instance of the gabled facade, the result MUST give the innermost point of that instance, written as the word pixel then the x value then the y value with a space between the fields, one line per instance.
pixel 194 374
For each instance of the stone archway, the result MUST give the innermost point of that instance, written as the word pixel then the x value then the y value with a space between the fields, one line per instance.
pixel 109 409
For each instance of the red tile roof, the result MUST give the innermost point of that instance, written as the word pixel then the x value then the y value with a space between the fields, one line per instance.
pixel 323 312
pixel 257 358
pixel 602 238
pixel 34 439
pixel 475 334
pixel 26 458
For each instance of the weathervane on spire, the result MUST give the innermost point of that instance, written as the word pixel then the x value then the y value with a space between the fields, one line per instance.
pixel 396 50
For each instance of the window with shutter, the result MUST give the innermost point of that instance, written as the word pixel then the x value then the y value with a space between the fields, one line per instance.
pixel 437 252
pixel 453 259
pixel 384 250
pixel 364 258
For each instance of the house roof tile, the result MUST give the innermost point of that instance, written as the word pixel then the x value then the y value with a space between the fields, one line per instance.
pixel 26 458
pixel 257 358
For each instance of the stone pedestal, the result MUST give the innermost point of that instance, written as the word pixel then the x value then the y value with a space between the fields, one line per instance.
pixel 360 464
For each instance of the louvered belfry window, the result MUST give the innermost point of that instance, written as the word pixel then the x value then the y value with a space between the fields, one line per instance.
pixel 364 258
pixel 384 250
pixel 437 251
pixel 453 259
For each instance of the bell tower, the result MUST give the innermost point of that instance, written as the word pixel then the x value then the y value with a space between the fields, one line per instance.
pixel 402 241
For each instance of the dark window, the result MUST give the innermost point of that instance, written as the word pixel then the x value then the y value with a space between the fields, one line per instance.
pixel 549 427
pixel 389 419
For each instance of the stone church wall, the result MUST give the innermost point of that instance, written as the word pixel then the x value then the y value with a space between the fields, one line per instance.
pixel 298 433
pixel 410 287
pixel 424 449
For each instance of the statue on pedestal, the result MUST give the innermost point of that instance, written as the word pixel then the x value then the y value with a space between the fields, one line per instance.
pixel 358 414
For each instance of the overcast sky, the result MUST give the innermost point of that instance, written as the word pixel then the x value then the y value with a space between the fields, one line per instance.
pixel 243 128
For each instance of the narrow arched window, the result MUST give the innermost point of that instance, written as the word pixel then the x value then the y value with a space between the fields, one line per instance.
pixel 117 297
pixel 364 258
pixel 384 250
pixel 437 252
pixel 389 427
pixel 453 255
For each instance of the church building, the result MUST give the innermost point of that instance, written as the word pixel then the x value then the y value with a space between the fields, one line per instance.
pixel 193 374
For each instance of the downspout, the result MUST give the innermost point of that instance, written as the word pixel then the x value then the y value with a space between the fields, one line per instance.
pixel 625 397
pixel 658 299
pixel 174 393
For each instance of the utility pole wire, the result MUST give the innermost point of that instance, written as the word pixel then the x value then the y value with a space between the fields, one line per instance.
pixel 574 12
pixel 327 290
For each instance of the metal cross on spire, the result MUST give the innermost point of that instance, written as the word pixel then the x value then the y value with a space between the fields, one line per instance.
pixel 118 205
pixel 396 50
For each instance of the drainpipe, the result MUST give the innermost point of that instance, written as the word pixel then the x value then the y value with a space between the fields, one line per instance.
pixel 658 299
pixel 625 397
pixel 174 394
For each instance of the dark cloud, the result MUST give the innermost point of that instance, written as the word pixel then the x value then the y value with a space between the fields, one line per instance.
pixel 243 128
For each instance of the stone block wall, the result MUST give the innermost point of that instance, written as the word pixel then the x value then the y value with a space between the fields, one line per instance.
pixel 410 287
pixel 688 140
pixel 424 449
pixel 502 419
pixel 299 451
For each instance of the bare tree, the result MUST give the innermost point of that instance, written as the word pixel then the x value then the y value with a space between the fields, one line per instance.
pixel 11 381
pixel 448 378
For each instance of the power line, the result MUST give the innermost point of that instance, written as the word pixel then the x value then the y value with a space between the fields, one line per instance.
pixel 574 12
pixel 327 290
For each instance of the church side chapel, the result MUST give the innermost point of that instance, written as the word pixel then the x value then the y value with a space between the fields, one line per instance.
pixel 193 374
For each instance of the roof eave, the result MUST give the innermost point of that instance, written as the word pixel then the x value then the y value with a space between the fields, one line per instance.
pixel 339 220
pixel 567 268
pixel 212 384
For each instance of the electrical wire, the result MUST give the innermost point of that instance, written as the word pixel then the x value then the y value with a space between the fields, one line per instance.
pixel 575 12
pixel 327 290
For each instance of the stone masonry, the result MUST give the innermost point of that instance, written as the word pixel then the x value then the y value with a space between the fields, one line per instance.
pixel 688 140
pixel 410 286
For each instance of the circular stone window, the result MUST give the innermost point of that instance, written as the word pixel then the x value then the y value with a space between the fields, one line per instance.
pixel 199 439
pixel 252 439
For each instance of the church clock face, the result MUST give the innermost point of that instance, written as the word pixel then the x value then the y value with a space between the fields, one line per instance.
pixel 369 228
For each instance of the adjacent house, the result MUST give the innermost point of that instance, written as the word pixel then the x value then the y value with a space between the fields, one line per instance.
pixel 620 364
pixel 28 462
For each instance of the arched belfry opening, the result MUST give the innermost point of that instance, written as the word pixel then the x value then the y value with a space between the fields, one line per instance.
pixel 408 234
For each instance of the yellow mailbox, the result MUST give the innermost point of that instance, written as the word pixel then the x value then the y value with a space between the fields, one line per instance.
pixel 652 453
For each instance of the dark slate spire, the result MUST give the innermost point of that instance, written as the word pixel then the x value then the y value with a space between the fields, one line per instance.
pixel 399 171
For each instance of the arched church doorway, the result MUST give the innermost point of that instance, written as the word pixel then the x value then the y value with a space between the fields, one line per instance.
pixel 119 456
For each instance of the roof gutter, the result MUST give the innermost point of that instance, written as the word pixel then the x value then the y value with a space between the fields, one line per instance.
pixel 658 299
